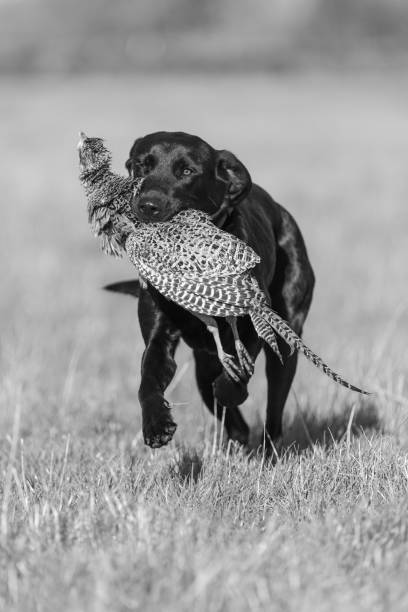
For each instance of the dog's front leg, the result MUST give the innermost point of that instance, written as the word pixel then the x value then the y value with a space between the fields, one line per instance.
pixel 158 368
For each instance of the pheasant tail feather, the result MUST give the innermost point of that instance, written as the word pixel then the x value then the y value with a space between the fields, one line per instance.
pixel 265 331
pixel 272 319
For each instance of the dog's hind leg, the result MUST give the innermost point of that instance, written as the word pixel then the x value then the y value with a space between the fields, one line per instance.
pixel 291 294
pixel 280 379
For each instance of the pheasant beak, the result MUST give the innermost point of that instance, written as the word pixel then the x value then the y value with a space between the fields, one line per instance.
pixel 82 138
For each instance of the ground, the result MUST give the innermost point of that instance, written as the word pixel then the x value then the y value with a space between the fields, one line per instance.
pixel 93 520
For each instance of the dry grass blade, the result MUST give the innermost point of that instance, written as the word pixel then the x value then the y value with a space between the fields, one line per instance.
pixel 10 466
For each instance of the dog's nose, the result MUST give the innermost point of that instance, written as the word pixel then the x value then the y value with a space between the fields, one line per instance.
pixel 148 208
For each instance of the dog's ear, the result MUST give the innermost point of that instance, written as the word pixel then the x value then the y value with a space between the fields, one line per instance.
pixel 128 165
pixel 236 177
pixel 132 154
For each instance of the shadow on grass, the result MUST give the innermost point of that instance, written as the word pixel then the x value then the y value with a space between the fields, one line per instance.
pixel 188 466
pixel 307 429
pixel 304 431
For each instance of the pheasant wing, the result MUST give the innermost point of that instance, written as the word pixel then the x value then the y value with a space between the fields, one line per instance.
pixel 191 245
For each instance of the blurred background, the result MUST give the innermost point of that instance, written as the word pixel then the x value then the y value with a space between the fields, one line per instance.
pixel 310 94
pixel 209 35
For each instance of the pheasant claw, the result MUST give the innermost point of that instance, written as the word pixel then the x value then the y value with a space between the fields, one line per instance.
pixel 244 359
pixel 232 368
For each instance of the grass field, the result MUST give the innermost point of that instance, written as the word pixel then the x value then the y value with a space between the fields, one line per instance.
pixel 91 520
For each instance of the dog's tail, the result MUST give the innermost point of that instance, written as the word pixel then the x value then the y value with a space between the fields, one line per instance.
pixel 265 318
pixel 130 287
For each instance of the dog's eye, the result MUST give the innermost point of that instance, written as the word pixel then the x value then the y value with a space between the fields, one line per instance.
pixel 188 171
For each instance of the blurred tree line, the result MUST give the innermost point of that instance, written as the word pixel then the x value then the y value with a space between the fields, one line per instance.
pixel 158 35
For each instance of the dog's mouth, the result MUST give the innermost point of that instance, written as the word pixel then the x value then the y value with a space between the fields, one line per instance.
pixel 156 208
pixel 156 218
pixel 219 217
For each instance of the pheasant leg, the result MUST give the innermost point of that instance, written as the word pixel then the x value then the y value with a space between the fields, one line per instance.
pixel 244 358
pixel 228 361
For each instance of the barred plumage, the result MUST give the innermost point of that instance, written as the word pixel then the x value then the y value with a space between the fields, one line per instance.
pixel 265 331
pixel 203 249
pixel 295 342
pixel 190 261
pixel 222 296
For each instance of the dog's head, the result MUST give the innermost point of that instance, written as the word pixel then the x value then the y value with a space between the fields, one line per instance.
pixel 182 171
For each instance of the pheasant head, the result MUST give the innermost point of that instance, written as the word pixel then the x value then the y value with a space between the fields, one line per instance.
pixel 93 154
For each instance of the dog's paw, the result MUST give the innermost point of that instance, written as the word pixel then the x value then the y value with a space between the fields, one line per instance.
pixel 158 426
pixel 156 439
pixel 239 435
pixel 272 449
pixel 229 392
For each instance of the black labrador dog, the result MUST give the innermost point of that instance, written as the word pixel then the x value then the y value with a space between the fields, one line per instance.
pixel 182 171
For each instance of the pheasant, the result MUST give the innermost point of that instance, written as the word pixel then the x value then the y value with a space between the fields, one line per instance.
pixel 191 262
pixel 108 194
